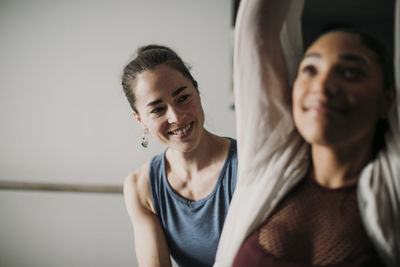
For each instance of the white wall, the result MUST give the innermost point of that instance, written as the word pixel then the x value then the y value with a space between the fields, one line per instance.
pixel 64 118
pixel 64 229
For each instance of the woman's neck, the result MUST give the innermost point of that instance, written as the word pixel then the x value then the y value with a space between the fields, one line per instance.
pixel 203 155
pixel 338 167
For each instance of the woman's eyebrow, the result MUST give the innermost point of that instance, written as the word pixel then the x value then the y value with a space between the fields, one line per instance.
pixel 352 57
pixel 345 57
pixel 178 91
pixel 175 93
pixel 153 103
pixel 312 55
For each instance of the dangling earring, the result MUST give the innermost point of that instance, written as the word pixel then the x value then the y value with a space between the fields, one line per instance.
pixel 145 141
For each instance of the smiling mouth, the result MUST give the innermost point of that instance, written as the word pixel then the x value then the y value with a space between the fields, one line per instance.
pixel 182 131
pixel 324 108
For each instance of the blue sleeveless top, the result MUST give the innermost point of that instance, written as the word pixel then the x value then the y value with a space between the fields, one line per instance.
pixel 192 228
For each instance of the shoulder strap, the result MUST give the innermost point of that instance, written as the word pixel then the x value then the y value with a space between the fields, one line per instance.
pixel 156 172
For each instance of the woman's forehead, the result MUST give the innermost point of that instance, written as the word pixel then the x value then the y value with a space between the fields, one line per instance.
pixel 159 83
pixel 336 41
pixel 161 77
pixel 336 44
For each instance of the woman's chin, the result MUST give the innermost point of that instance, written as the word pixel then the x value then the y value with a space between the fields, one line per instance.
pixel 319 137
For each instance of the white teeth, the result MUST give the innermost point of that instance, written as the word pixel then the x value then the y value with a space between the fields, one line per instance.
pixel 182 131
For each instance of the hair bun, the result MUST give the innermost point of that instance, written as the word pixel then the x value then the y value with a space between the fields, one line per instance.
pixel 146 48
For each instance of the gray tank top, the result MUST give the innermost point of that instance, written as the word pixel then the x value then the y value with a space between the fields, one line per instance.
pixel 193 228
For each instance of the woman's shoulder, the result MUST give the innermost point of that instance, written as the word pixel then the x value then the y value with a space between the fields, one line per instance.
pixel 230 145
pixel 224 141
pixel 138 177
pixel 224 150
pixel 137 187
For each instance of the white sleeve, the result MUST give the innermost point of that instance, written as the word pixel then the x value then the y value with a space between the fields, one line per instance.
pixel 379 185
pixel 261 87
pixel 397 64
pixel 265 127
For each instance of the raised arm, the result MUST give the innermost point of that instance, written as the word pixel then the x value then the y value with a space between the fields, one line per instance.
pixel 150 244
pixel 262 77
pixel 266 52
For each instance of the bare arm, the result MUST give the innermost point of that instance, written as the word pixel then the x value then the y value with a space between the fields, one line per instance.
pixel 150 244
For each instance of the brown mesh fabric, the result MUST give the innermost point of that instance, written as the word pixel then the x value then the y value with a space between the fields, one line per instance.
pixel 318 226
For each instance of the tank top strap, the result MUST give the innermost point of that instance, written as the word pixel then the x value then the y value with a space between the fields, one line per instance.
pixel 156 179
pixel 192 228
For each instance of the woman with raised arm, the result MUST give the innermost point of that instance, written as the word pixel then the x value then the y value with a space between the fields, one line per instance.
pixel 178 201
pixel 319 175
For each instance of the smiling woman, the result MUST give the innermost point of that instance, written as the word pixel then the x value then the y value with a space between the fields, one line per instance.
pixel 340 91
pixel 346 82
pixel 178 201
pixel 170 107
pixel 321 187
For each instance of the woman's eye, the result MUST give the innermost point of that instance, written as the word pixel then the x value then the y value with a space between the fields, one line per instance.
pixel 352 74
pixel 157 110
pixel 183 98
pixel 309 69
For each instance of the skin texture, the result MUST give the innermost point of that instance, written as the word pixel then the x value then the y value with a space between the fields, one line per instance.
pixel 169 106
pixel 150 244
pixel 338 97
pixel 168 102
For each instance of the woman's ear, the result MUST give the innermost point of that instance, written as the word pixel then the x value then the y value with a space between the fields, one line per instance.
pixel 387 101
pixel 138 118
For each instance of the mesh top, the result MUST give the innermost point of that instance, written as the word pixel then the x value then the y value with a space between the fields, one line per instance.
pixel 315 226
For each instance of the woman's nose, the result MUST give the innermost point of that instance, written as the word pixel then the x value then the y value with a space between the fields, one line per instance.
pixel 174 115
pixel 325 83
